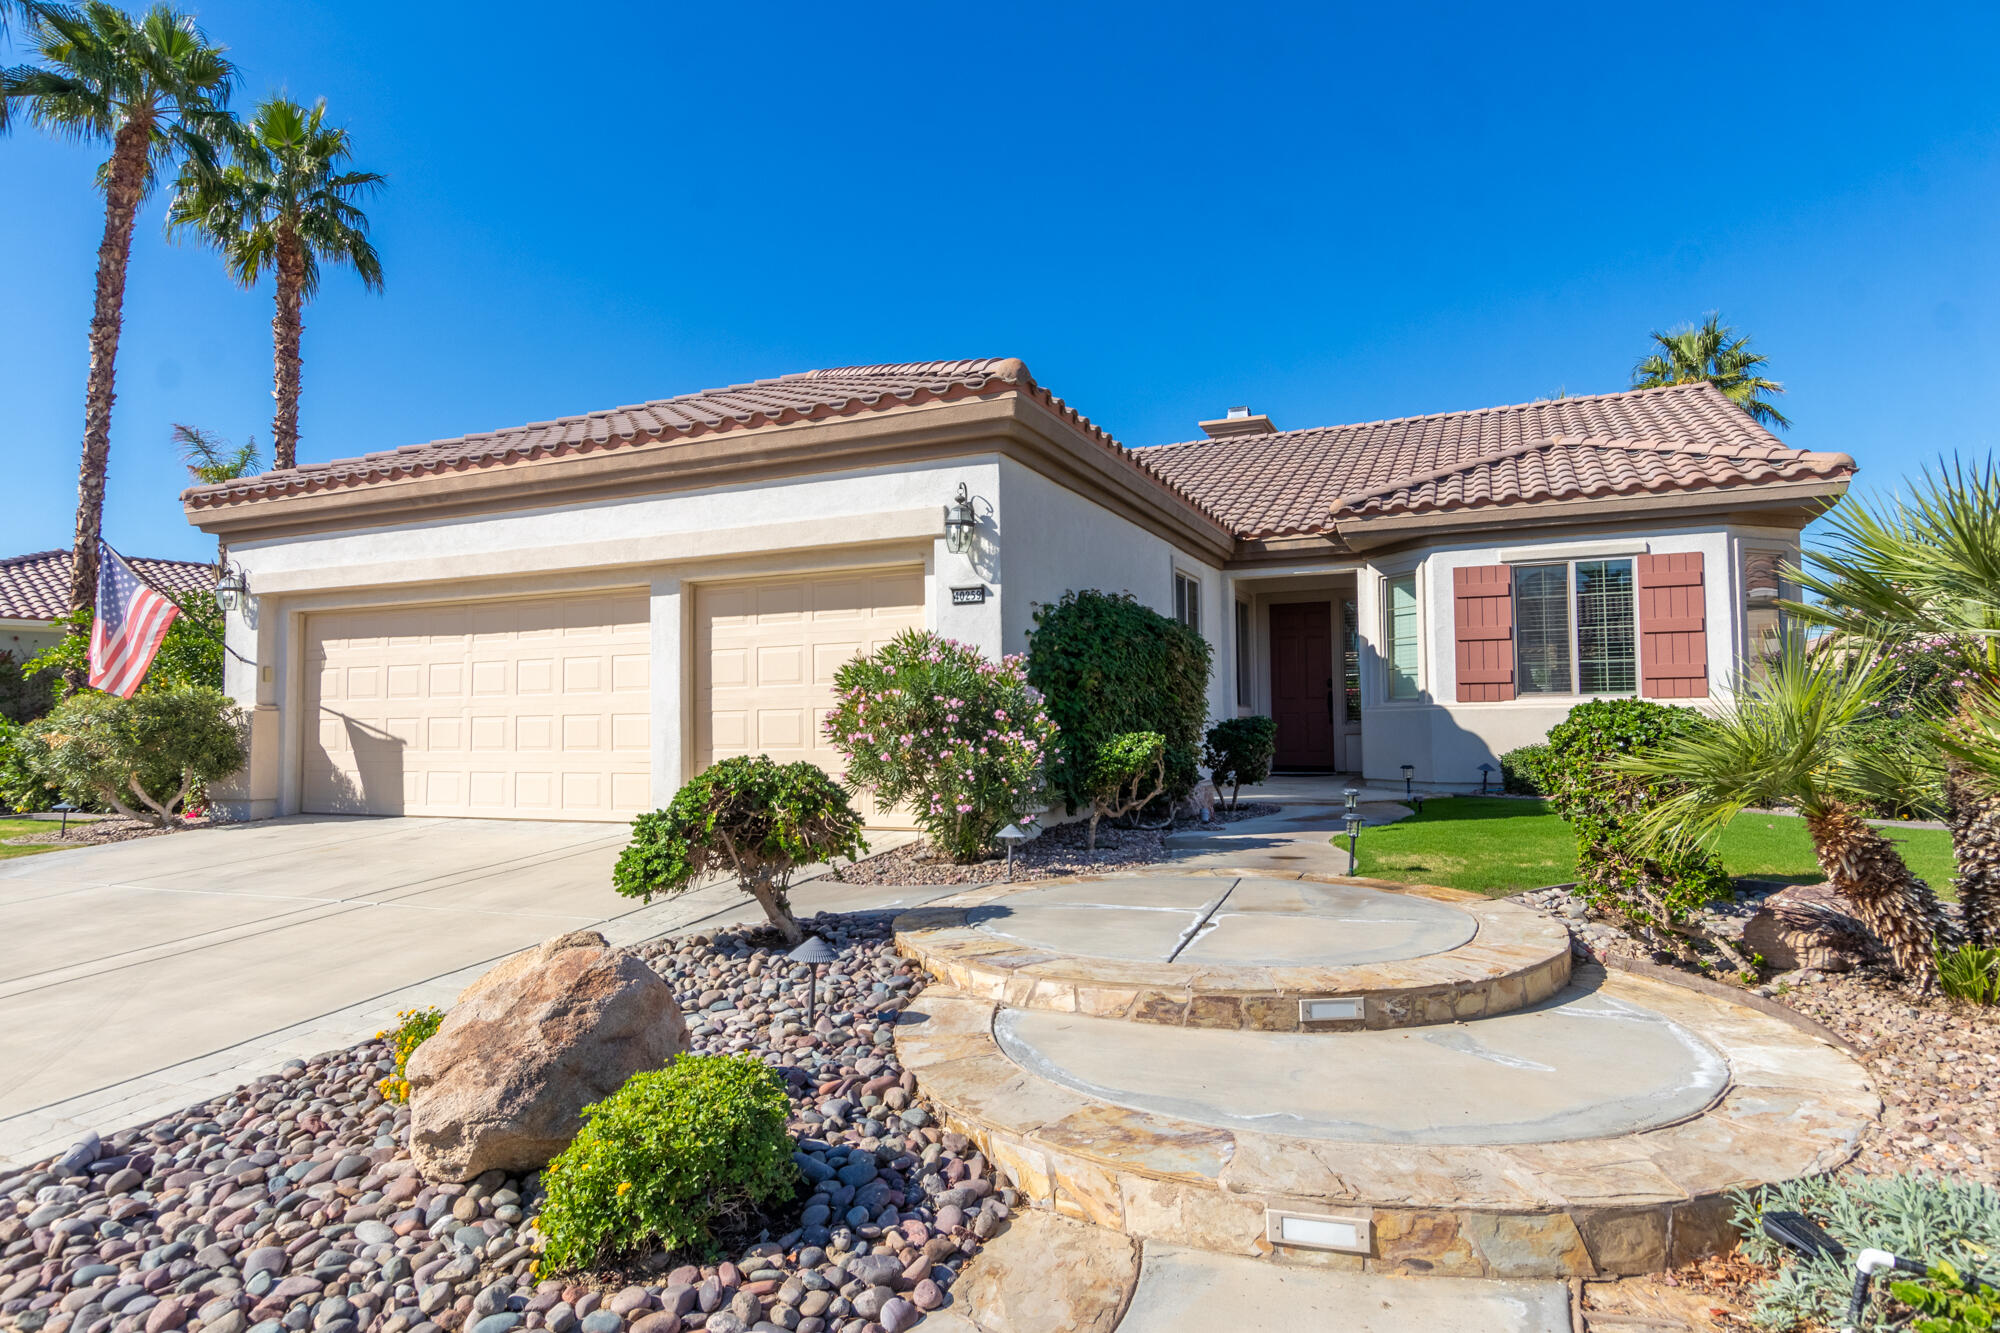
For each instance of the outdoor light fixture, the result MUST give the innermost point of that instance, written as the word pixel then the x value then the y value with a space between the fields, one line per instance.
pixel 1010 835
pixel 815 954
pixel 65 807
pixel 1353 836
pixel 232 589
pixel 959 520
pixel 1486 772
pixel 1409 779
pixel 1353 795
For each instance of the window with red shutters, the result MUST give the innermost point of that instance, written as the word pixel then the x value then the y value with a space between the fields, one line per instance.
pixel 1483 616
pixel 1673 627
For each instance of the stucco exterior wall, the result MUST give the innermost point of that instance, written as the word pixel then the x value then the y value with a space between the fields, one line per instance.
pixel 24 639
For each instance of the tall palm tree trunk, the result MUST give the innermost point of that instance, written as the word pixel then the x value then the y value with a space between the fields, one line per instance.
pixel 286 326
pixel 1899 908
pixel 125 185
pixel 1972 813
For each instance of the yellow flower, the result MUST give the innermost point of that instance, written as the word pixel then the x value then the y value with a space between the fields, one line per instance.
pixel 624 1188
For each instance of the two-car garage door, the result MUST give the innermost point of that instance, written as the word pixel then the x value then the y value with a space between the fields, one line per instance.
pixel 541 708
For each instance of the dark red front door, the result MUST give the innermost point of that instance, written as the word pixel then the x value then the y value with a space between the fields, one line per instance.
pixel 1302 683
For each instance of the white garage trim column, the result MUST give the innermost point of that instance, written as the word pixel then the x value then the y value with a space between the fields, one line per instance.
pixel 673 686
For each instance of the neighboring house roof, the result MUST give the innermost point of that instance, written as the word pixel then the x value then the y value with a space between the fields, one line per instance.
pixel 1686 438
pixel 36 587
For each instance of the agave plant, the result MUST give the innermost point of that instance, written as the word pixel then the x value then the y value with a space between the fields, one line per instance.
pixel 1927 570
pixel 1786 739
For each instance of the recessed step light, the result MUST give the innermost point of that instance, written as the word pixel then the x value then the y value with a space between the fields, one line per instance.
pixel 1309 1231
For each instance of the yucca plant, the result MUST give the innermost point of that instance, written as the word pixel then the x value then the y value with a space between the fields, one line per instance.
pixel 1787 739
pixel 1926 570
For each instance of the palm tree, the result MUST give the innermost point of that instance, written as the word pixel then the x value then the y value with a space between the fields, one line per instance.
pixel 284 204
pixel 1785 740
pixel 211 459
pixel 157 90
pixel 1928 569
pixel 1712 352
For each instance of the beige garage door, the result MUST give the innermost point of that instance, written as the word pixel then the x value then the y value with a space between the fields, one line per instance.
pixel 531 709
pixel 766 651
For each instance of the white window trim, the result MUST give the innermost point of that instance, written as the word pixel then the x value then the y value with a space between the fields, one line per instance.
pixel 1575 695
pixel 1415 575
pixel 1195 582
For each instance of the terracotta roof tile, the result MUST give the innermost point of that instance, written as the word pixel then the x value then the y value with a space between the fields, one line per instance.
pixel 1683 438
pixel 36 587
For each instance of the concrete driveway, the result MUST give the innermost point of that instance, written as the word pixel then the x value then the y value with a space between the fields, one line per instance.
pixel 142 976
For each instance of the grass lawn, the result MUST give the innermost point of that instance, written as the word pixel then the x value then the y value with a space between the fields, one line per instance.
pixel 19 828
pixel 1495 846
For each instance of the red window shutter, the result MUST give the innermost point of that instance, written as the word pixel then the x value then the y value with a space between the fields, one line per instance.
pixel 1673 627
pixel 1483 597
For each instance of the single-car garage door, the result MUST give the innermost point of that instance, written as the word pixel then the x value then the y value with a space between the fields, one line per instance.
pixel 766 651
pixel 525 709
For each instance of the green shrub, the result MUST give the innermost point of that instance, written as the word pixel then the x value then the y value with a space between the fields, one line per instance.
pixel 1655 893
pixel 748 816
pixel 143 756
pixel 413 1028
pixel 663 1160
pixel 1970 972
pixel 962 743
pixel 1947 1302
pixel 190 655
pixel 1126 773
pixel 1240 750
pixel 1109 666
pixel 1525 771
pixel 24 694
pixel 1918 1216
pixel 20 787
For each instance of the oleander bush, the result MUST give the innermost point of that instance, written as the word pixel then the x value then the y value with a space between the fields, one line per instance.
pixel 146 757
pixel 747 816
pixel 962 743
pixel 1110 666
pixel 1240 750
pixel 1935 1219
pixel 413 1028
pixel 668 1161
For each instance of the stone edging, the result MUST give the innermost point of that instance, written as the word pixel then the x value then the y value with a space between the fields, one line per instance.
pixel 1516 957
pixel 1673 976
pixel 1633 1203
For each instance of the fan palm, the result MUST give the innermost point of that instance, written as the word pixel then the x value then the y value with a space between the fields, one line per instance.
pixel 211 459
pixel 157 90
pixel 1712 351
pixel 284 205
pixel 1928 569
pixel 1785 739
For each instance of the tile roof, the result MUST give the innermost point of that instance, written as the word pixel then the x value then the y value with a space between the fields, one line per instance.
pixel 813 395
pixel 36 587
pixel 1644 441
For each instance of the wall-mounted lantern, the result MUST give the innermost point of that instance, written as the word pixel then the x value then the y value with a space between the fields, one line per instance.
pixel 959 521
pixel 232 587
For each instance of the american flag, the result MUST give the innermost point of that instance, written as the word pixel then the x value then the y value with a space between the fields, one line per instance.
pixel 132 619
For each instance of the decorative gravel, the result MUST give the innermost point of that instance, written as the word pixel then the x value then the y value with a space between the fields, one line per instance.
pixel 91 833
pixel 292 1204
pixel 1057 853
pixel 1935 1061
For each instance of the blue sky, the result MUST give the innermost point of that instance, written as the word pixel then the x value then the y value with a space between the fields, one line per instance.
pixel 1331 213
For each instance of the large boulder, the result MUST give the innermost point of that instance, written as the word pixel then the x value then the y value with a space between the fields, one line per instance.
pixel 528 1045
pixel 1808 925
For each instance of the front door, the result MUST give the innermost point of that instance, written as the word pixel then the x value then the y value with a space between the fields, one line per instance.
pixel 1302 684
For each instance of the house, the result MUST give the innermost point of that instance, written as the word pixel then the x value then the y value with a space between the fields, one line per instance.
pixel 34 593
pixel 566 619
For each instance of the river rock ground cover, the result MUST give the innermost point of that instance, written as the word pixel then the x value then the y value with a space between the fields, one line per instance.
pixel 292 1206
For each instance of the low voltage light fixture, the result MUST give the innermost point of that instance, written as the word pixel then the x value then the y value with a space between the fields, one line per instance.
pixel 1353 797
pixel 65 807
pixel 1008 836
pixel 232 588
pixel 815 954
pixel 1353 836
pixel 959 521
pixel 1486 772
pixel 1409 779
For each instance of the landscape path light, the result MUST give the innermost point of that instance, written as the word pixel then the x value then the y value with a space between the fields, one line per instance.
pixel 815 954
pixel 1353 837
pixel 1353 795
pixel 65 807
pixel 1486 772
pixel 1009 836
pixel 1409 779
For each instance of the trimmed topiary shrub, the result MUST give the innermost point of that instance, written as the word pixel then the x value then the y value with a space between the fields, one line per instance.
pixel 962 743
pixel 143 756
pixel 667 1161
pixel 1127 772
pixel 1525 771
pixel 1109 666
pixel 748 816
pixel 1240 750
pixel 1655 893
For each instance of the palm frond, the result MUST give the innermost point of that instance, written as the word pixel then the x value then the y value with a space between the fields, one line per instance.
pixel 1716 353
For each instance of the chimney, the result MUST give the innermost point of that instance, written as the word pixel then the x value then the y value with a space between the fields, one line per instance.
pixel 1240 421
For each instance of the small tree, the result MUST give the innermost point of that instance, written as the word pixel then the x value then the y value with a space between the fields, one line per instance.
pixel 1240 750
pixel 1128 771
pixel 962 743
pixel 751 817
pixel 143 756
